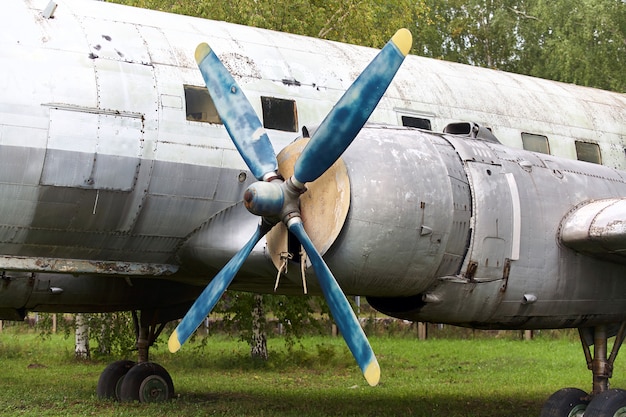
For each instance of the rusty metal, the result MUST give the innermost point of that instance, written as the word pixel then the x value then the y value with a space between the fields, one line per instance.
pixel 505 274
pixel 600 367
pixel 470 272
pixel 85 266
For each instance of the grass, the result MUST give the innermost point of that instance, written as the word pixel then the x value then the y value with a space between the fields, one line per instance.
pixel 438 377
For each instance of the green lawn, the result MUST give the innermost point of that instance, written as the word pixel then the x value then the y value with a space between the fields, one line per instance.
pixel 477 377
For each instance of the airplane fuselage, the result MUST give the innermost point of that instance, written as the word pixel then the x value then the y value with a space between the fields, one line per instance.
pixel 112 168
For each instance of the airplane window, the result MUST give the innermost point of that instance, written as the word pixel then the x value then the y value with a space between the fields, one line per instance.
pixel 279 114
pixel 535 143
pixel 417 122
pixel 589 152
pixel 200 106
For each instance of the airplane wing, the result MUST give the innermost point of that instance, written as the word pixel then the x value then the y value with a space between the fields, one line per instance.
pixel 597 228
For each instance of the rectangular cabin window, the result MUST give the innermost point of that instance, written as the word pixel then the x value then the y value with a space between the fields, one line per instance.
pixel 279 114
pixel 199 105
pixel 417 122
pixel 535 143
pixel 589 152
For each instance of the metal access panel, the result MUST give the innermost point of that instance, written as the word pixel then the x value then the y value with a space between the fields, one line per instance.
pixel 89 149
pixel 496 222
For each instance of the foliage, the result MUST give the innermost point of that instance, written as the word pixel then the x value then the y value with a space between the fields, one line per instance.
pixel 476 32
pixel 363 22
pixel 296 315
pixel 585 45
pixel 114 333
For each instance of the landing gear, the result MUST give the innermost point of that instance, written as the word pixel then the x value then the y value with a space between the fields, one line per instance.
pixel 110 382
pixel 602 401
pixel 147 382
pixel 567 402
pixel 141 381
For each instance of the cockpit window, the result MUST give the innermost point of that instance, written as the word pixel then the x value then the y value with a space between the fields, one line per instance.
pixel 199 105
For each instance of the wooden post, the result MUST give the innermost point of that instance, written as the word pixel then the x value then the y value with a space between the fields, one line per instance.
pixel 422 330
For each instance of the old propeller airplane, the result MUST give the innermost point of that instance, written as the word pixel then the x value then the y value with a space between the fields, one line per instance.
pixel 123 169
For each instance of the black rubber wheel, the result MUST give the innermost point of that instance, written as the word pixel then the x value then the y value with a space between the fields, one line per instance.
pixel 147 382
pixel 110 381
pixel 611 403
pixel 566 402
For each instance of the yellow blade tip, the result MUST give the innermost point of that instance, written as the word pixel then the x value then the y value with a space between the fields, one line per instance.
pixel 202 51
pixel 403 40
pixel 173 344
pixel 372 373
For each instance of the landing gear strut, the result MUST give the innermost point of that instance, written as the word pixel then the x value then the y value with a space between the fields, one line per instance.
pixel 602 401
pixel 142 381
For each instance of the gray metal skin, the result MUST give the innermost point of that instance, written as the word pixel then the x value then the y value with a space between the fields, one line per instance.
pixel 103 179
pixel 516 273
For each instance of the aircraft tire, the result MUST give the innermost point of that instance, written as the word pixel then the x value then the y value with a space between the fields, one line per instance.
pixel 611 403
pixel 147 382
pixel 110 381
pixel 566 402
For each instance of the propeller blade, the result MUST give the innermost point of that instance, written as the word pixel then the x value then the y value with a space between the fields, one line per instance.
pixel 238 116
pixel 212 293
pixel 340 308
pixel 344 121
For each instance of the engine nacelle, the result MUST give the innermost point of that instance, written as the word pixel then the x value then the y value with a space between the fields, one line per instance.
pixel 409 218
pixel 511 269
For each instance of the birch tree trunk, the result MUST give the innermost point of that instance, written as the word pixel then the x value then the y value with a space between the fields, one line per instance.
pixel 81 349
pixel 104 341
pixel 259 339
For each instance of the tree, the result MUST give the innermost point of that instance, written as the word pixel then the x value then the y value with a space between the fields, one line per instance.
pixel 258 339
pixel 245 313
pixel 362 22
pixel 476 32
pixel 585 45
pixel 81 344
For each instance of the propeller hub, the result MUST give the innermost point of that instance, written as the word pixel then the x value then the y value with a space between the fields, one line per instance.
pixel 264 199
pixel 323 208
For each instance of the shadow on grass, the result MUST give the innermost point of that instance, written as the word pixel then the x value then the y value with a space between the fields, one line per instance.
pixel 361 403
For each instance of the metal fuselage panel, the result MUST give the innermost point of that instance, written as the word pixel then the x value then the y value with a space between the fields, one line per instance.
pixel 93 166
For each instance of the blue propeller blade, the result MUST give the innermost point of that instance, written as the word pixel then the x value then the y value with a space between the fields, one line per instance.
pixel 340 308
pixel 212 293
pixel 344 121
pixel 238 116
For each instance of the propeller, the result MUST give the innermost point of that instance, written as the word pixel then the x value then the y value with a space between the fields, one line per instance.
pixel 238 116
pixel 276 200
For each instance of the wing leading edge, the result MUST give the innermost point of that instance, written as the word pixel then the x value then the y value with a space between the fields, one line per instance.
pixel 597 228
